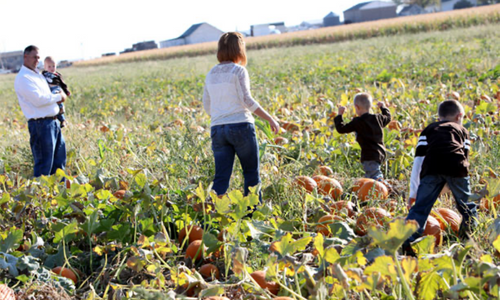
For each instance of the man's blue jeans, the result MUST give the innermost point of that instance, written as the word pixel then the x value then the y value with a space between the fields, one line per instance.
pixel 47 145
pixel 428 191
pixel 229 140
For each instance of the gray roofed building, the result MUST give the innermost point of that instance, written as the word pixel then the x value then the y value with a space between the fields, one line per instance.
pixel 370 11
pixel 12 61
pixel 197 33
pixel 267 28
pixel 331 20
pixel 404 10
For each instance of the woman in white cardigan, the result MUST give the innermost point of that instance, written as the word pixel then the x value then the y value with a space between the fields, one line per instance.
pixel 228 101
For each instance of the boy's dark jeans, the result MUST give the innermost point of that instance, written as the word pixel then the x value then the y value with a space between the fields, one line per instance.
pixel 372 169
pixel 427 194
pixel 229 140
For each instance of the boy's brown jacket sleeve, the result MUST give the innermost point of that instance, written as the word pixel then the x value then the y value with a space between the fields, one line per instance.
pixel 385 116
pixel 345 128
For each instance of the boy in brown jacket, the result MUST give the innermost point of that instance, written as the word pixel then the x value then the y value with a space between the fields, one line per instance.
pixel 369 132
pixel 442 157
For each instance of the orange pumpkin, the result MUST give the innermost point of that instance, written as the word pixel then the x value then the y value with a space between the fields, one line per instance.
pixel 306 182
pixel 338 206
pixel 195 233
pixel 280 140
pixel 328 186
pixel 260 278
pixel 373 190
pixel 209 270
pixel 359 183
pixel 192 250
pixel 290 126
pixel 372 216
pixel 325 170
pixel 6 293
pixel 432 227
pixel 323 222
pixel 120 194
pixel 452 219
pixel 485 203
pixel 65 272
pixel 191 292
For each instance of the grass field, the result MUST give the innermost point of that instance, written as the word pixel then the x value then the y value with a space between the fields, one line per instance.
pixel 139 127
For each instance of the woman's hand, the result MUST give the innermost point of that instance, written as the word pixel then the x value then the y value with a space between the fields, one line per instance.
pixel 275 126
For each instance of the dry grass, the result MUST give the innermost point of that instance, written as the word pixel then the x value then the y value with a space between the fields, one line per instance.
pixel 412 24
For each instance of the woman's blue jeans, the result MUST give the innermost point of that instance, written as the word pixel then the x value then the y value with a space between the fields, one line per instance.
pixel 229 140
pixel 47 145
pixel 428 191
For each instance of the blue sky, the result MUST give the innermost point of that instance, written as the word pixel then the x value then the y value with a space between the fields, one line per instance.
pixel 74 29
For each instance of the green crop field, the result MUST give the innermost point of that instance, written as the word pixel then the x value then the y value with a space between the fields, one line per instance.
pixel 140 167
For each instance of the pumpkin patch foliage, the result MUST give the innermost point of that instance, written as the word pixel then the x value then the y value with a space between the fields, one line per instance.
pixel 136 218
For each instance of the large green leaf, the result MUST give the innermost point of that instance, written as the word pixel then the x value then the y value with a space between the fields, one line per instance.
pixel 91 224
pixel 56 259
pixel 211 242
pixel 14 237
pixel 496 243
pixel 9 262
pixel 342 230
pixel 120 233
pixel 331 255
pixel 385 266
pixel 211 291
pixel 409 265
pixel 288 246
pixel 222 205
pixel 68 233
pixel 28 263
pixel 318 245
pixel 399 231
pixel 425 245
pixel 429 285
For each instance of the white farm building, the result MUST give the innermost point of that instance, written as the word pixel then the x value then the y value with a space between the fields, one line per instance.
pixel 197 33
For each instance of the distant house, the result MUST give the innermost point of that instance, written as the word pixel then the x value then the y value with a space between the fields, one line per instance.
pixel 331 20
pixel 64 64
pixel 404 10
pixel 446 5
pixel 370 11
pixel 141 46
pixel 312 24
pixel 197 33
pixel 12 61
pixel 268 28
pixel 108 54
